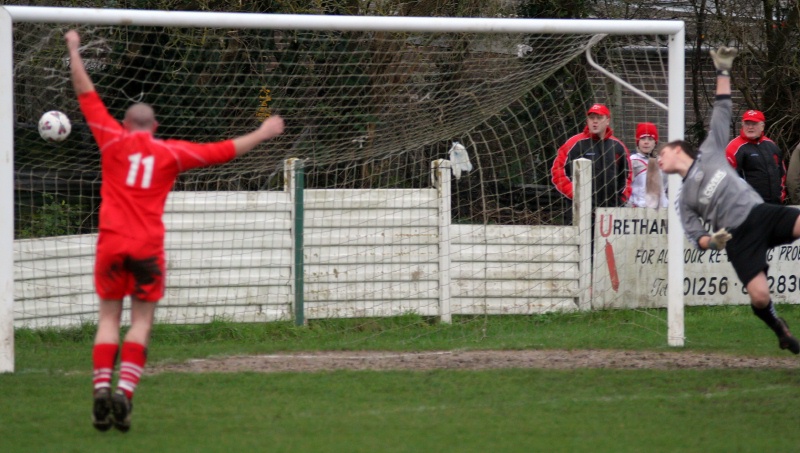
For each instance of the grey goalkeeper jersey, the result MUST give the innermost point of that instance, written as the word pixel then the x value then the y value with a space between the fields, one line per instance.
pixel 712 191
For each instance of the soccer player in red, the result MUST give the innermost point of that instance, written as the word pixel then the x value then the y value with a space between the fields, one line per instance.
pixel 138 172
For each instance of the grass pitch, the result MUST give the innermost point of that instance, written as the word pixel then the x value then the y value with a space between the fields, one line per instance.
pixel 45 404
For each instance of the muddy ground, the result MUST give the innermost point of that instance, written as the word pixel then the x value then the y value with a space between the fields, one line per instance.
pixel 474 360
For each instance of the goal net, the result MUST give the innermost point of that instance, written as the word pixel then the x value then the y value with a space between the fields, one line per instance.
pixel 369 107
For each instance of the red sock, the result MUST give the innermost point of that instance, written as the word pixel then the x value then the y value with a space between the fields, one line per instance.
pixel 103 357
pixel 134 355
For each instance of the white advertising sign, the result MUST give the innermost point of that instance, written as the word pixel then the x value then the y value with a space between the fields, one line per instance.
pixel 630 265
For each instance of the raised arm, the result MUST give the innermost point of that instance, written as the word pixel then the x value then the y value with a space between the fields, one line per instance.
pixel 270 128
pixel 719 125
pixel 81 82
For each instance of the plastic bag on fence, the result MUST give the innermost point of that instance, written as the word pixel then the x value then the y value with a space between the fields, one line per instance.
pixel 459 160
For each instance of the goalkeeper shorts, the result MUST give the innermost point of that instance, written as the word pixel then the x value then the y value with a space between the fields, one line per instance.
pixel 767 226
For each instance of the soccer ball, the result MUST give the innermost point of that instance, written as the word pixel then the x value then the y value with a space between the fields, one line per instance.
pixel 54 126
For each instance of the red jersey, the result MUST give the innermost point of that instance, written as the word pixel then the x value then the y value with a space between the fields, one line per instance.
pixel 139 171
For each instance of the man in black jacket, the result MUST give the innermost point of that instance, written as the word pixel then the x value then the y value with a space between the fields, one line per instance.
pixel 611 160
pixel 757 159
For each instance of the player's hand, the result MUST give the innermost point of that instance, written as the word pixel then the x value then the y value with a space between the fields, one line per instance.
pixel 73 40
pixel 272 127
pixel 723 57
pixel 719 239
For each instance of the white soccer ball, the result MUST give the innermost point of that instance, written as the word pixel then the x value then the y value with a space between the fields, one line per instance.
pixel 54 126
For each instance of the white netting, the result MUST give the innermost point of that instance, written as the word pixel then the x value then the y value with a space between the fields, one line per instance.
pixel 365 110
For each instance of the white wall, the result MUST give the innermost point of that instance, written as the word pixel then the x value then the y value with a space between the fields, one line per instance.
pixel 371 252
pixel 228 254
pixel 366 253
pixel 498 269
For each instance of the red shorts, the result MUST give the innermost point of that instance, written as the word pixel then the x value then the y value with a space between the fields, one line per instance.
pixel 127 267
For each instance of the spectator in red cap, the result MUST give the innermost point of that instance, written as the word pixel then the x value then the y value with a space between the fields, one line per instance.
pixel 610 160
pixel 645 169
pixel 757 159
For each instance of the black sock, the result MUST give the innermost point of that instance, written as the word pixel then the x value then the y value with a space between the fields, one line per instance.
pixel 768 315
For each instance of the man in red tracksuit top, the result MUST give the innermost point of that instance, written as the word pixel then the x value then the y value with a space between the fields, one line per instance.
pixel 757 159
pixel 610 160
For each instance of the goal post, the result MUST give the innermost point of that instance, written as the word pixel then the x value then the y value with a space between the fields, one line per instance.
pixel 398 132
pixel 675 239
pixel 6 194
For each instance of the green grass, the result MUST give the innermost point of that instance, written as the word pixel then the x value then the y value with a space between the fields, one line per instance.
pixel 45 404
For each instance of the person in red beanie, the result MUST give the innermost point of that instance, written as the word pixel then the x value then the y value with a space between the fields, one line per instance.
pixel 757 159
pixel 610 158
pixel 645 170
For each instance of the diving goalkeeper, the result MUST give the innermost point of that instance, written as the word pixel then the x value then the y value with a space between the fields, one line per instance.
pixel 743 224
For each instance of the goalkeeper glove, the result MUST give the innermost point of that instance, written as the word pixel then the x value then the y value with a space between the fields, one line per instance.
pixel 719 239
pixel 723 59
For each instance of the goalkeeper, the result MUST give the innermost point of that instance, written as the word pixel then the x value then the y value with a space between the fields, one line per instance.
pixel 138 172
pixel 712 192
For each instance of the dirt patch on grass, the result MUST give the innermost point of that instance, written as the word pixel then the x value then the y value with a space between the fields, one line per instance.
pixel 473 360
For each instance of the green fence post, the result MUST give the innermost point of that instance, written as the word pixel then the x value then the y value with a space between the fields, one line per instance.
pixel 299 309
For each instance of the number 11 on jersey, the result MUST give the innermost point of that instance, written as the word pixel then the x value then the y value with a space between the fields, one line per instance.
pixel 133 171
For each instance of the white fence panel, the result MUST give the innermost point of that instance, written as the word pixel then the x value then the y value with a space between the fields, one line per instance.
pixel 500 269
pixel 228 255
pixel 370 252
